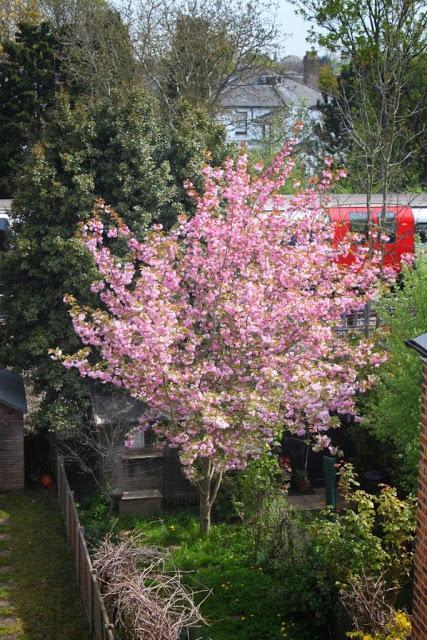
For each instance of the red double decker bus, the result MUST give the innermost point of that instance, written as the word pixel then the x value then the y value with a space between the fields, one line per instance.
pixel 391 230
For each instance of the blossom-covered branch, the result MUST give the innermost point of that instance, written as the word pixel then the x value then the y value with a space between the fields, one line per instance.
pixel 225 325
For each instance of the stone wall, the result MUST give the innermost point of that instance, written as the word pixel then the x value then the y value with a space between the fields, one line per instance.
pixel 11 448
pixel 419 606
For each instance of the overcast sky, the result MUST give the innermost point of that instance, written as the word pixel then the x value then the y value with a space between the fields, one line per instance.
pixel 295 26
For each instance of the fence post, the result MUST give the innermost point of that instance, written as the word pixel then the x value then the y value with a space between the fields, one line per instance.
pixel 77 550
pixel 58 475
pixel 67 514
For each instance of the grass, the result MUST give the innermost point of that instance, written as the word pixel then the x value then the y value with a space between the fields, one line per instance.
pixel 244 603
pixel 44 593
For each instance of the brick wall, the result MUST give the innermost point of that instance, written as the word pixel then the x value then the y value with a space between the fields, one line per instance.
pixel 11 449
pixel 419 607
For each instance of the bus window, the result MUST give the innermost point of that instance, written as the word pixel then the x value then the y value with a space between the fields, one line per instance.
pixel 389 225
pixel 359 223
pixel 421 231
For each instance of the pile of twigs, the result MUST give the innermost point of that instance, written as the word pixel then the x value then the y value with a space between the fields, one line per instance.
pixel 144 591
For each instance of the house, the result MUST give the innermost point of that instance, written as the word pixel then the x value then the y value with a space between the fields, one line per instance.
pixel 250 105
pixel 13 406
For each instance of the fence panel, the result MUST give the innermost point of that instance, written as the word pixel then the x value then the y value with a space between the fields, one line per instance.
pixel 97 615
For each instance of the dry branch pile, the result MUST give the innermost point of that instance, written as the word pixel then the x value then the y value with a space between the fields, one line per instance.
pixel 147 598
pixel 367 601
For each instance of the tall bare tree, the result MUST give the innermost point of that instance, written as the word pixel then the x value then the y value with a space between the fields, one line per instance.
pixel 383 42
pixel 95 42
pixel 192 49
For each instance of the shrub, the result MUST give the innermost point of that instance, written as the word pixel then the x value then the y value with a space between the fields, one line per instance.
pixel 372 535
pixel 393 407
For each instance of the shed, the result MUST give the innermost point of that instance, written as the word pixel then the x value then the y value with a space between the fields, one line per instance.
pixel 13 406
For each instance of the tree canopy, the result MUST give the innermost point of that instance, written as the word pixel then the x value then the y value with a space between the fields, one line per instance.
pixel 119 149
pixel 30 77
pixel 225 325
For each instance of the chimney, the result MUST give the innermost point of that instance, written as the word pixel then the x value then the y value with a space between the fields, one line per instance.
pixel 311 69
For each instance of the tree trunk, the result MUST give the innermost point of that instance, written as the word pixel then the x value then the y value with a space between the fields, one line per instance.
pixel 208 487
pixel 205 513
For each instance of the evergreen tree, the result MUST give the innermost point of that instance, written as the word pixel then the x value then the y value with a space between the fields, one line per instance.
pixel 30 73
pixel 116 149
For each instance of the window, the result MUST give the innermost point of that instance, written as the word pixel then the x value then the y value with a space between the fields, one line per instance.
pixel 421 231
pixel 389 225
pixel 241 122
pixel 359 223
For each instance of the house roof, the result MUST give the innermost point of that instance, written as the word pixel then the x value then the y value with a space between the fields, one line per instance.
pixel 12 390
pixel 253 94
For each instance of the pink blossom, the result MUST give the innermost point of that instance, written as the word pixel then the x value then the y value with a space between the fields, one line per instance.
pixel 225 326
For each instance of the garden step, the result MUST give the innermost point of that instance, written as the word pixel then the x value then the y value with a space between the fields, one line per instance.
pixel 4 553
pixel 142 502
pixel 5 569
pixel 143 454
pixel 4 537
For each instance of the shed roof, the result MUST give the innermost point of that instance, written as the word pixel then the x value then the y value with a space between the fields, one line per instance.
pixel 12 390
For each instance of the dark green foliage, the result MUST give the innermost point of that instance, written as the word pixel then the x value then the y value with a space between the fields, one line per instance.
pixel 372 535
pixel 117 149
pixel 96 47
pixel 393 407
pixel 89 151
pixel 333 130
pixel 30 76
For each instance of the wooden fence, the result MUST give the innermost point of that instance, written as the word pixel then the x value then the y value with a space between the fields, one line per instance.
pixel 96 612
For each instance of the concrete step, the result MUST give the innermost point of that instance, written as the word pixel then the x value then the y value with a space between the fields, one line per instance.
pixel 141 502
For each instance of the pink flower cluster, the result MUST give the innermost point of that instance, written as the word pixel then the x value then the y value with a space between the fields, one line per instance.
pixel 225 325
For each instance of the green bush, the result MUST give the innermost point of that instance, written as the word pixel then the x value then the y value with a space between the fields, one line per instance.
pixel 372 534
pixel 392 407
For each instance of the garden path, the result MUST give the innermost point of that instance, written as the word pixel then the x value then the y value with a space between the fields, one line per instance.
pixel 314 500
pixel 311 501
pixel 39 597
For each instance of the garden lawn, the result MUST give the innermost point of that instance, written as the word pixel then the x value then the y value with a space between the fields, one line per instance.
pixel 43 593
pixel 244 603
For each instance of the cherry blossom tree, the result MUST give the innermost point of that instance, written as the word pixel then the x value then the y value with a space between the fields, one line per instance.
pixel 225 326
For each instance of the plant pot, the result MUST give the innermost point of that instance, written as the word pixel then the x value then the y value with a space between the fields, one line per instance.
pixel 302 485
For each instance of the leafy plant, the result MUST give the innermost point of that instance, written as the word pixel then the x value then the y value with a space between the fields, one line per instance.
pixel 392 408
pixel 371 535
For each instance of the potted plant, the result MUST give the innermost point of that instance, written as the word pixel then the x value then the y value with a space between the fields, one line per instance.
pixel 302 483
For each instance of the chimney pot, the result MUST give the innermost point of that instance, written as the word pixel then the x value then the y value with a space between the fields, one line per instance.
pixel 311 69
